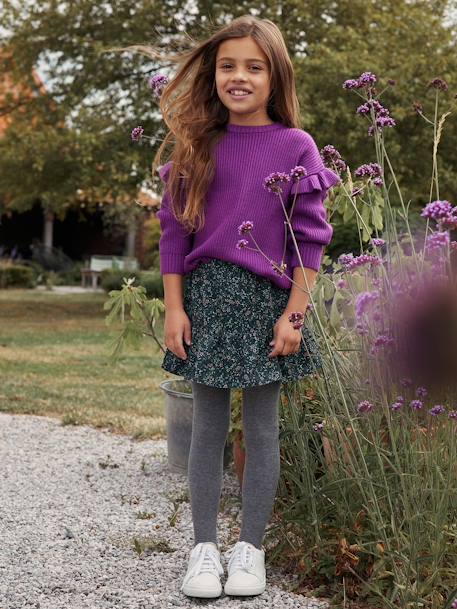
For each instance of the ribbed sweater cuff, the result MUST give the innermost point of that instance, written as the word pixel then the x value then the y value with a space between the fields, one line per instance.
pixel 172 263
pixel 311 255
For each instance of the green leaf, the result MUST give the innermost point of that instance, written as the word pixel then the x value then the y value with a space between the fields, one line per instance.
pixel 376 216
pixel 348 213
pixel 329 288
pixel 335 318
pixel 115 304
pixel 366 227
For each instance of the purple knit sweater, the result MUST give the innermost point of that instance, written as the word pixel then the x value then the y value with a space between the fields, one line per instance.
pixel 244 157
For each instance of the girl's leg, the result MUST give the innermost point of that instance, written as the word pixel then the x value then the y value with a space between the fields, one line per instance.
pixel 210 426
pixel 262 466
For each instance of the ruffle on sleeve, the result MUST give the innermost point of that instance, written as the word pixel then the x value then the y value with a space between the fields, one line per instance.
pixel 322 180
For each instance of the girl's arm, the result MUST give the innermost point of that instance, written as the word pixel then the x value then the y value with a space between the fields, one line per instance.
pixel 299 297
pixel 173 291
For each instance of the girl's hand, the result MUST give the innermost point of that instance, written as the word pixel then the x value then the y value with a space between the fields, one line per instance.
pixel 286 339
pixel 176 326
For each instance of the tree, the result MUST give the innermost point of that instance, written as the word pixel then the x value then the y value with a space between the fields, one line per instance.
pixel 94 99
pixel 70 143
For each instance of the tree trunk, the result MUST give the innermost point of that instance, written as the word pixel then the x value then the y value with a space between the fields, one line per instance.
pixel 130 239
pixel 48 228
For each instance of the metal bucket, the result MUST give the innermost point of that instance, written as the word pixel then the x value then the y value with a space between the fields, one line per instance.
pixel 179 413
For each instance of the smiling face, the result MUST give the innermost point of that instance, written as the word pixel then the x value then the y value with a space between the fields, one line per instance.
pixel 242 66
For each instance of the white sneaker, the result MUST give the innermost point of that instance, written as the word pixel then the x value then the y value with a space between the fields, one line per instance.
pixel 203 572
pixel 246 570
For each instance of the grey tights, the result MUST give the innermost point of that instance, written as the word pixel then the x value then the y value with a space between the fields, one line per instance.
pixel 210 426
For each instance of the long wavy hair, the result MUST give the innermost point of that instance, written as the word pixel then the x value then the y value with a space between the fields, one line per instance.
pixel 196 117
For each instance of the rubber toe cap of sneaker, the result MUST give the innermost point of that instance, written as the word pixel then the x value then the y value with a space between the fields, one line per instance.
pixel 204 582
pixel 241 580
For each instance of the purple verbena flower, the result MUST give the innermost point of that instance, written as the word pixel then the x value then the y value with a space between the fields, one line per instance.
pixel 370 170
pixel 363 301
pixel 382 119
pixel 378 242
pixel 436 210
pixel 448 222
pixel 416 404
pixel 421 392
pixel 157 83
pixel 297 319
pixel 242 243
pixel 344 259
pixel 436 410
pixel 319 427
pixel 436 241
pixel 364 108
pixel 361 260
pixel 298 172
pixel 385 121
pixel 137 133
pixel 332 158
pixel 382 340
pixel 279 269
pixel 352 83
pixel 365 406
pixel 406 382
pixel 367 79
pixel 438 83
pixel 272 182
pixel 396 405
pixel 452 414
pixel 381 115
pixel 245 227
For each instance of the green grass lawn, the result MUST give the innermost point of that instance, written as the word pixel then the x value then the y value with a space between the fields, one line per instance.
pixel 54 352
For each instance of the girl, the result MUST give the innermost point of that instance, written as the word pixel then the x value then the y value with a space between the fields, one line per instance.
pixel 233 110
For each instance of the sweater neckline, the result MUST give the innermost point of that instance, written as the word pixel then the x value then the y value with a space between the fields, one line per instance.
pixel 231 127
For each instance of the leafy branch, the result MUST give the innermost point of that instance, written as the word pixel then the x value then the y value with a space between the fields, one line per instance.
pixel 137 314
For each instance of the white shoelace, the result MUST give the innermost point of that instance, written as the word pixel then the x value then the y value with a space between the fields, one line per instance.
pixel 241 557
pixel 207 562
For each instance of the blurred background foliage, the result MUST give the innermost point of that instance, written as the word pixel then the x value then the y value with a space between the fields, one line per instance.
pixel 75 134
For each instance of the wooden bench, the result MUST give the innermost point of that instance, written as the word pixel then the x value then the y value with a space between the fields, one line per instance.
pixel 100 263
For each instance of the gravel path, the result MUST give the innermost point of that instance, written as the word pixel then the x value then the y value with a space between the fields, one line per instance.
pixel 69 504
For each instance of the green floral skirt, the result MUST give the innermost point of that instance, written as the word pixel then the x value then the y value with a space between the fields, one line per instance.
pixel 232 313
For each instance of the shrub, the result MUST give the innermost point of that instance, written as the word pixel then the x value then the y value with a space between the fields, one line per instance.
pixel 345 239
pixel 51 259
pixel 150 280
pixel 71 276
pixel 16 275
pixel 152 260
pixel 111 279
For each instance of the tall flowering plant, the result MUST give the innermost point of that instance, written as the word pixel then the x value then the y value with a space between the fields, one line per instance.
pixel 369 469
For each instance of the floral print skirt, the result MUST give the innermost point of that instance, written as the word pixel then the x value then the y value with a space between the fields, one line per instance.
pixel 232 313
